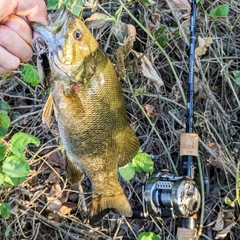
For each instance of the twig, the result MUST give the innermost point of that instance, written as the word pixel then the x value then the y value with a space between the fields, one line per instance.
pixel 26 115
pixel 80 228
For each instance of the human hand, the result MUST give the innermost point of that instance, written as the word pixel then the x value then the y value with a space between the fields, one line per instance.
pixel 15 32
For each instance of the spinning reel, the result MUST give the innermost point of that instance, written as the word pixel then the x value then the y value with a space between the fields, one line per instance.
pixel 170 196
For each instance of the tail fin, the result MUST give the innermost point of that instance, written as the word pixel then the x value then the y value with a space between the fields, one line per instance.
pixel 104 204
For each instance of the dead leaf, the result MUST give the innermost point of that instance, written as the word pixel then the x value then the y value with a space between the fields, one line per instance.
pixel 181 4
pixel 67 207
pixel 97 20
pixel 225 231
pixel 121 54
pixel 56 159
pixel 53 197
pixel 203 43
pixel 91 4
pixel 55 190
pixel 64 197
pixel 156 17
pixel 219 222
pixel 54 203
pixel 54 176
pixel 211 144
pixel 182 10
pixel 148 71
pixel 186 23
pixel 215 162
pixel 150 110
pixel 54 216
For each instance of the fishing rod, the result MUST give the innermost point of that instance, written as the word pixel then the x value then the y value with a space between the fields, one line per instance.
pixel 169 195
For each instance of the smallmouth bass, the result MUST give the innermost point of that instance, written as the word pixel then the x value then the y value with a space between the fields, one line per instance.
pixel 90 111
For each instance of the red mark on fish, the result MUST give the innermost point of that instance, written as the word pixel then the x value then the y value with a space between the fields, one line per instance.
pixel 76 88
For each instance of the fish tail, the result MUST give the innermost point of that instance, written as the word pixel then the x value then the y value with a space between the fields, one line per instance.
pixel 102 205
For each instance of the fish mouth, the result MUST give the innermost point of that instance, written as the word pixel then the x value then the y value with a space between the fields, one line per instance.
pixel 53 36
pixel 62 68
pixel 54 33
pixel 42 44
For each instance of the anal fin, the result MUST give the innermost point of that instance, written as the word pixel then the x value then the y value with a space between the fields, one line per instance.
pixel 73 172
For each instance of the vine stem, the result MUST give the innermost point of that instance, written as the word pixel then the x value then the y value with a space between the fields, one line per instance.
pixel 202 197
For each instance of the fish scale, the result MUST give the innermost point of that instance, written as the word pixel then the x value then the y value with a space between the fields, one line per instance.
pixel 90 112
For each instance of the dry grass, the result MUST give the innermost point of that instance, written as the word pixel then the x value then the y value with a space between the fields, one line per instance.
pixel 217 122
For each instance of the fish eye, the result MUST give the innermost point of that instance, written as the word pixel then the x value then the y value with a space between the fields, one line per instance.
pixel 78 35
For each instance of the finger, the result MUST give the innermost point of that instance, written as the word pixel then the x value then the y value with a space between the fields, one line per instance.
pixel 8 62
pixel 20 26
pixel 35 11
pixel 14 44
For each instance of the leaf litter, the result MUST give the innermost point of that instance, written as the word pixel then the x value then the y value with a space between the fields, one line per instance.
pixel 217 122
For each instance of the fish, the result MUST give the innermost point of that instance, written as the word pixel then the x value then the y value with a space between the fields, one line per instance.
pixel 90 111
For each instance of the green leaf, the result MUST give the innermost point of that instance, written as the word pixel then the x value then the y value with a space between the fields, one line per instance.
pixel 14 115
pixel 229 202
pixel 147 2
pixel 4 124
pixel 176 33
pixel 140 91
pixel 2 177
pixel 5 210
pixel 11 181
pixel 54 4
pixel 98 20
pixel 127 172
pixel 162 36
pixel 236 75
pixel 30 75
pixel 118 13
pixel 74 6
pixel 4 106
pixel 220 11
pixel 163 40
pixel 139 150
pixel 131 2
pixel 15 167
pixel 3 149
pixel 143 163
pixel 148 236
pixel 7 231
pixel 20 140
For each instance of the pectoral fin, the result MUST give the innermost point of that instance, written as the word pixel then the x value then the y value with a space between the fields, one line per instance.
pixel 47 110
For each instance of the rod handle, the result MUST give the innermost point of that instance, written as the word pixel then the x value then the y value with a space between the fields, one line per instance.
pixel 189 144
